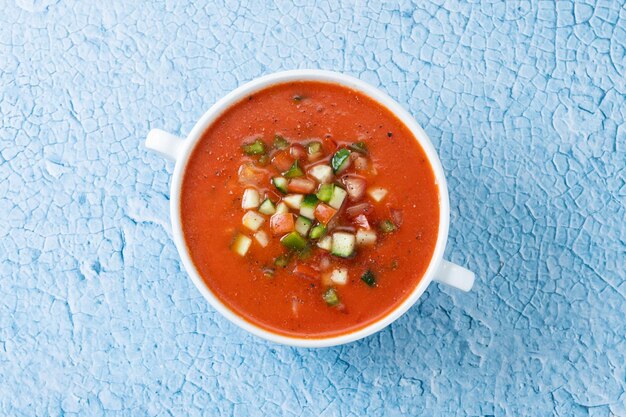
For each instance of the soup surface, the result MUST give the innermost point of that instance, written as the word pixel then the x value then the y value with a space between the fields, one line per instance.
pixel 309 209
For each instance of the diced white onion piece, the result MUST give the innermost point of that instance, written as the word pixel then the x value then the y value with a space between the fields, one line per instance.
pixel 325 243
pixel 293 201
pixel 355 187
pixel 360 164
pixel 339 276
pixel 262 238
pixel 282 208
pixel 365 237
pixel 241 244
pixel 377 193
pixel 343 244
pixel 253 220
pixel 322 173
pixel 339 194
pixel 250 199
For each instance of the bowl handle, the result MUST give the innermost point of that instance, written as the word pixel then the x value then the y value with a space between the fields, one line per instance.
pixel 165 144
pixel 455 276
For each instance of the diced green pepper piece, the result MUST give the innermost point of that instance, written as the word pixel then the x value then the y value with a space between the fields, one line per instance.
pixel 294 172
pixel 360 147
pixel 255 148
pixel 325 193
pixel 314 147
pixel 280 142
pixel 294 241
pixel 331 297
pixel 369 278
pixel 318 231
pixel 282 260
pixel 340 160
pixel 280 183
pixel 387 226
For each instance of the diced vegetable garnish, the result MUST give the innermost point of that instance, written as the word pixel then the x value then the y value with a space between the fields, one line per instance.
pixel 282 208
pixel 339 276
pixel 293 201
pixel 305 271
pixel 252 220
pixel 255 148
pixel 281 223
pixel 360 147
pixel 317 231
pixel 264 160
pixel 280 142
pixel 303 225
pixel 325 193
pixel 369 278
pixel 267 207
pixel 294 241
pixel 396 216
pixel 340 160
pixel 339 195
pixel 325 243
pixel 307 208
pixel 262 238
pixel 294 171
pixel 324 213
pixel 241 244
pixel 331 297
pixel 297 151
pixel 250 199
pixel 362 208
pixel 250 174
pixel 280 183
pixel 301 185
pixel 305 253
pixel 282 160
pixel 322 173
pixel 355 187
pixel 365 237
pixel 362 221
pixel 268 272
pixel 361 164
pixel 313 147
pixel 377 193
pixel 282 260
pixel 387 226
pixel 343 244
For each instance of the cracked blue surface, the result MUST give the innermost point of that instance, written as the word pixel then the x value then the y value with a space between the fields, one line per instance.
pixel 526 103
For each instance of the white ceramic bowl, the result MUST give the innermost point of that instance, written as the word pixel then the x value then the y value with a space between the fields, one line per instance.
pixel 178 150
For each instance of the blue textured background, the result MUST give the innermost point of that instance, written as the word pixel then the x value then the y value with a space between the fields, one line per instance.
pixel 525 102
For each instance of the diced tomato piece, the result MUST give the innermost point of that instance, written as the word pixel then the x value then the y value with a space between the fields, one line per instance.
pixel 282 160
pixel 323 213
pixel 297 151
pixel 361 221
pixel 305 271
pixel 301 185
pixel 329 145
pixel 282 223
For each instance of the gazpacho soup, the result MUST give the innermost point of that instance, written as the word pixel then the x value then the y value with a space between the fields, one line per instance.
pixel 309 209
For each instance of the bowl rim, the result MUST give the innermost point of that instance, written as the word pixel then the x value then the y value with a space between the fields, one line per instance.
pixel 380 97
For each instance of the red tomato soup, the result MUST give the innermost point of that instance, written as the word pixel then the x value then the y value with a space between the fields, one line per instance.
pixel 309 209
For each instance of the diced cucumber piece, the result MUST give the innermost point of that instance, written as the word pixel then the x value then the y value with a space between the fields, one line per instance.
pixel 369 278
pixel 360 147
pixel 267 207
pixel 280 142
pixel 331 297
pixel 294 241
pixel 252 220
pixel 387 226
pixel 365 237
pixel 307 208
pixel 250 199
pixel 262 238
pixel 255 148
pixel 282 208
pixel 282 260
pixel 280 183
pixel 314 147
pixel 293 201
pixel 294 172
pixel 241 244
pixel 325 193
pixel 325 243
pixel 318 231
pixel 322 173
pixel 303 225
pixel 377 193
pixel 343 244
pixel 339 276
pixel 340 160
pixel 339 195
